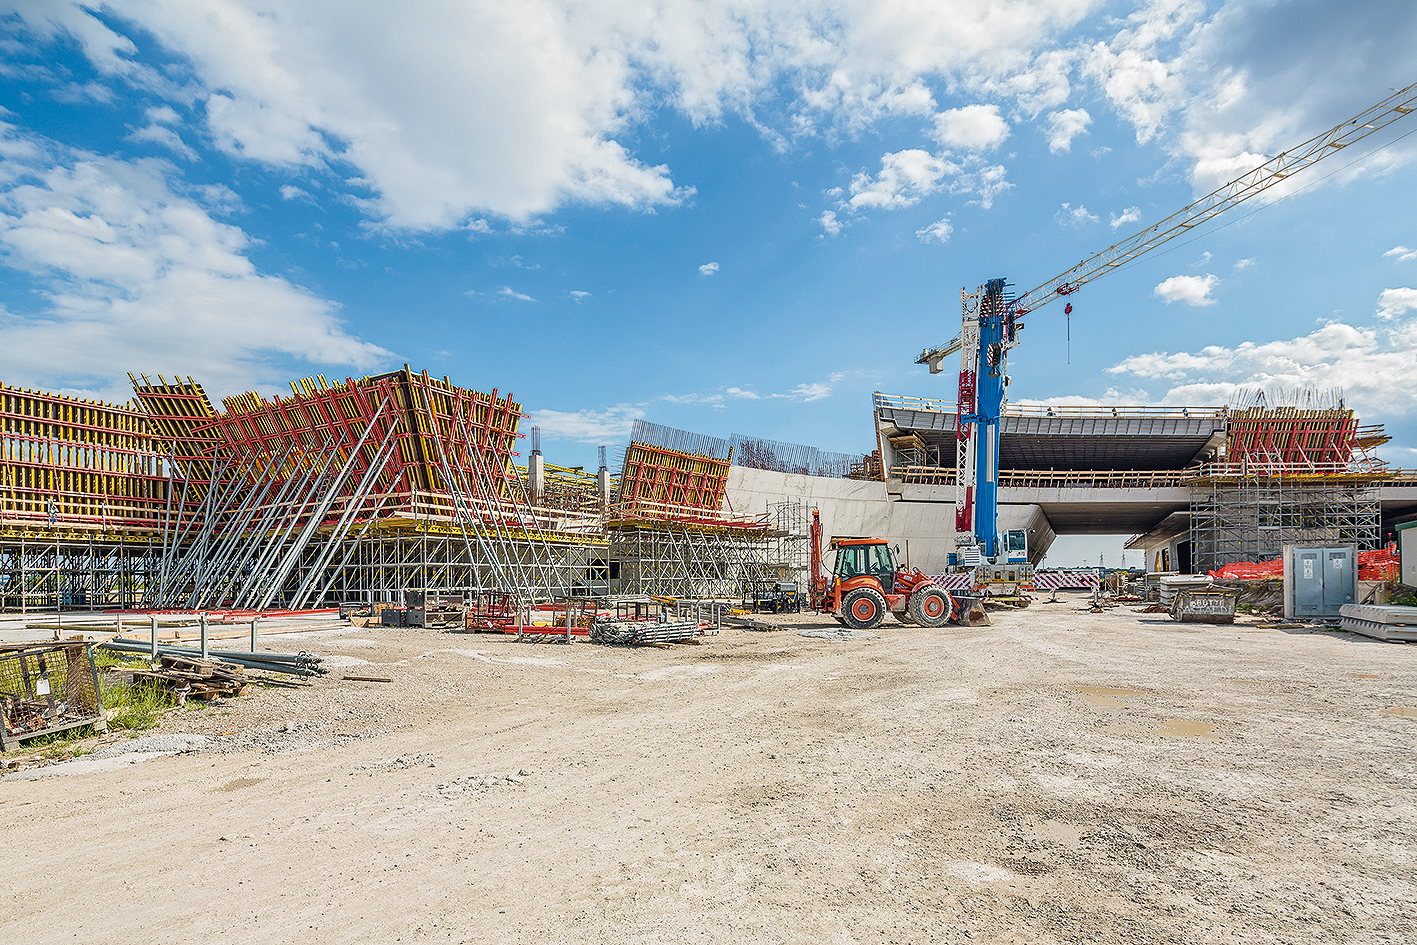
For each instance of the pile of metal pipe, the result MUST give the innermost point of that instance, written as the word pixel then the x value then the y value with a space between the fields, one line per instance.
pixel 292 664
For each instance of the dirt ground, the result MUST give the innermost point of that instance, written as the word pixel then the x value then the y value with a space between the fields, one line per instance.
pixel 1057 776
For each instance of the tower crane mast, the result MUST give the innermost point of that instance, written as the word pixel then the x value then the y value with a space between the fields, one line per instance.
pixel 990 323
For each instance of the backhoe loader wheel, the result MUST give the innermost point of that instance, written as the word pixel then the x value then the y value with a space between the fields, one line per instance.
pixel 931 607
pixel 864 608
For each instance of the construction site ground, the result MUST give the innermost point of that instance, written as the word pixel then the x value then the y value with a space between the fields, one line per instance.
pixel 1056 776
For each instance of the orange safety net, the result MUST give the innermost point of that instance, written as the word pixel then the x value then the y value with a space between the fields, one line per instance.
pixel 1380 564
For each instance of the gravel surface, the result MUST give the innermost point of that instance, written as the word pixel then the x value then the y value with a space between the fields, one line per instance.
pixel 1057 776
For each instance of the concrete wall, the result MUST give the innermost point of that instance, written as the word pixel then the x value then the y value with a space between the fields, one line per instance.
pixel 920 519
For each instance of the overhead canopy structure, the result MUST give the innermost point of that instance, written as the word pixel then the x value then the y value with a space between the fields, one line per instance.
pixel 1059 438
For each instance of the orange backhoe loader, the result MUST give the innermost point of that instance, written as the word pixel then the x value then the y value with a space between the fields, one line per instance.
pixel 866 583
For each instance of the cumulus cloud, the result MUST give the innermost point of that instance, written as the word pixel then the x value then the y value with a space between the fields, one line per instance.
pixel 1064 126
pixel 708 269
pixel 606 425
pixel 1395 302
pixel 1068 215
pixel 809 393
pixel 452 110
pixel 141 274
pixel 908 176
pixel 973 127
pixel 937 232
pixel 831 225
pixel 904 178
pixel 1193 290
pixel 1129 215
pixel 1370 365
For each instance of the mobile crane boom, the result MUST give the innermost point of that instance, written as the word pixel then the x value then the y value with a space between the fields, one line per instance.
pixel 990 323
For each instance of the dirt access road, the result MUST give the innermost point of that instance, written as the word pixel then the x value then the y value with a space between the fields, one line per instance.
pixel 1057 776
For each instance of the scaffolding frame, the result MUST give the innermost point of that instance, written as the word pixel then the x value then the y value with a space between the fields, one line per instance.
pixel 1252 517
pixel 662 558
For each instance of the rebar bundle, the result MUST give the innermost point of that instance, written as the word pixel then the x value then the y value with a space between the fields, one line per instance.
pixel 758 453
pixel 680 441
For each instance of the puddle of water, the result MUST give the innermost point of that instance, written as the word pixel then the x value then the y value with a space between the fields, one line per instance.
pixel 1406 711
pixel 1247 682
pixel 1365 676
pixel 1184 728
pixel 1102 695
pixel 240 783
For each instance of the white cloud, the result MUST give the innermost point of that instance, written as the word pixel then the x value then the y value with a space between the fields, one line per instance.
pixel 579 294
pixel 808 393
pixel 1193 290
pixel 910 175
pixel 708 269
pixel 142 276
pixel 1372 366
pixel 449 110
pixel 718 398
pixel 608 425
pixel 1129 215
pixel 937 232
pixel 157 132
pixel 1395 302
pixel 1064 126
pixel 1072 216
pixel 1243 264
pixel 830 224
pixel 1402 253
pixel 973 127
pixel 511 293
pixel 905 177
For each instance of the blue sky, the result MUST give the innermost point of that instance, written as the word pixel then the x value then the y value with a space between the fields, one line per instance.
pixel 731 216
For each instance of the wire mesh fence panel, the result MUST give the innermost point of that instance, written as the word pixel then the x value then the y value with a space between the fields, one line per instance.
pixel 47 688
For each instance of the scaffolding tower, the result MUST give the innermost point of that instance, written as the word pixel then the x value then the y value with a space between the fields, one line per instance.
pixel 665 558
pixel 1251 517
pixel 792 540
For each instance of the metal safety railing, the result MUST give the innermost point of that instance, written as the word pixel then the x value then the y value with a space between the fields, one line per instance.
pixel 901 402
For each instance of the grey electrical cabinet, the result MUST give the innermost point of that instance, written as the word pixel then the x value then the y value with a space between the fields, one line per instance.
pixel 1318 581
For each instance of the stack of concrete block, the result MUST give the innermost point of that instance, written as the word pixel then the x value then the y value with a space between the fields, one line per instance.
pixel 1380 621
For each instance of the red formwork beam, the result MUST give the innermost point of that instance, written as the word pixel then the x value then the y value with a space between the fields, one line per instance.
pixel 1293 438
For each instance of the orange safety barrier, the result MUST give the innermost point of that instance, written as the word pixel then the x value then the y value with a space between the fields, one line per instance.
pixel 1379 564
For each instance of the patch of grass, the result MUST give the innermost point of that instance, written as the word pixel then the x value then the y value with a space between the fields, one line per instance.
pixel 129 706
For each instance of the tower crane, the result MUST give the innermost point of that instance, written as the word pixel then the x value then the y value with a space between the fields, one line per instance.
pixel 991 321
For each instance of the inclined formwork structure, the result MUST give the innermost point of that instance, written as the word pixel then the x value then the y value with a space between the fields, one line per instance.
pixel 357 491
pixel 668 532
pixel 1290 476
